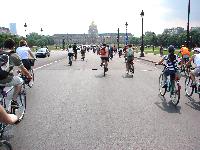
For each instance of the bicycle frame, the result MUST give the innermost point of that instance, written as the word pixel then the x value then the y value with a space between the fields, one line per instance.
pixel 6 107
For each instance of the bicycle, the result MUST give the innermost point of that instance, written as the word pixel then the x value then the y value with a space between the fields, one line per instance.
pixel 173 87
pixel 83 55
pixel 184 69
pixel 70 55
pixel 190 88
pixel 130 67
pixel 105 69
pixel 30 83
pixel 5 145
pixel 20 111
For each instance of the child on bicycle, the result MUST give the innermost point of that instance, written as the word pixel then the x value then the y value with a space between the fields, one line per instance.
pixel 171 65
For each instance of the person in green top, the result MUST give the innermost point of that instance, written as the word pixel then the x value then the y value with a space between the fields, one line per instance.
pixel 10 79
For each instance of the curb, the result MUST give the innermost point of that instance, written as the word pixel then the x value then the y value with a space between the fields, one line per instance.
pixel 151 61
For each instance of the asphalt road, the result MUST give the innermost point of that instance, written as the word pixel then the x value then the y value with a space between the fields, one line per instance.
pixel 76 108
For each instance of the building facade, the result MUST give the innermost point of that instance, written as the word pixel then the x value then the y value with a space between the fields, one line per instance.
pixel 4 30
pixel 13 28
pixel 93 37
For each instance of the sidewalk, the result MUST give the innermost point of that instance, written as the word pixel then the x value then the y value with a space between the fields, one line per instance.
pixel 150 57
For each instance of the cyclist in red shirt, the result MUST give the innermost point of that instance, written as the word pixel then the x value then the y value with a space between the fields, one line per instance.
pixel 104 55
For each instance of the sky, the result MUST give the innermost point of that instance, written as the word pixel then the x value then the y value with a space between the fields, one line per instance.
pixel 75 16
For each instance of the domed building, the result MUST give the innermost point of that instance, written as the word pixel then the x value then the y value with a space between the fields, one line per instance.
pixel 93 33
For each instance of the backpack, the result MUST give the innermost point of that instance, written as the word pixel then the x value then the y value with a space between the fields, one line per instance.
pixel 130 52
pixel 4 65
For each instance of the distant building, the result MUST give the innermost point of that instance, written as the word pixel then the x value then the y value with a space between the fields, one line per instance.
pixel 93 37
pixel 13 28
pixel 4 30
pixel 195 28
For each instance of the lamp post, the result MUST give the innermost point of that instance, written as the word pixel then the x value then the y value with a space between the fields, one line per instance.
pixel 142 46
pixel 153 40
pixel 188 26
pixel 126 33
pixel 118 38
pixel 41 30
pixel 25 26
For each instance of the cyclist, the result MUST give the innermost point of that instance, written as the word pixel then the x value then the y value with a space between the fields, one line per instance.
pixel 75 50
pixel 129 55
pixel 24 51
pixel 111 52
pixel 104 52
pixel 196 71
pixel 70 53
pixel 83 51
pixel 171 65
pixel 9 79
pixel 185 53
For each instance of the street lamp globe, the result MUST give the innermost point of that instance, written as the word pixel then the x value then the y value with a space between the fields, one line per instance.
pixel 142 14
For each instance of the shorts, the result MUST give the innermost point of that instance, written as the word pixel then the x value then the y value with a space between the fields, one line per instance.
pixel 105 58
pixel 130 58
pixel 26 63
pixel 196 71
pixel 70 54
pixel 185 58
pixel 15 81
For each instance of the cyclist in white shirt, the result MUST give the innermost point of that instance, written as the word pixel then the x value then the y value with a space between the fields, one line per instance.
pixel 70 53
pixel 196 71
pixel 24 52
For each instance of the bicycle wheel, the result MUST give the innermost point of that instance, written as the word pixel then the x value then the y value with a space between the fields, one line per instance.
pixel 21 100
pixel 188 88
pixel 104 70
pixel 161 84
pixel 175 93
pixel 5 145
pixel 132 68
pixel 33 76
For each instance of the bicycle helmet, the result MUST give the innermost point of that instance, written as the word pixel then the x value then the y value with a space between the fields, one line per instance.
pixel 171 49
pixel 197 49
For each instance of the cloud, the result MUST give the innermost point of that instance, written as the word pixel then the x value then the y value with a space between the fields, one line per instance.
pixel 75 16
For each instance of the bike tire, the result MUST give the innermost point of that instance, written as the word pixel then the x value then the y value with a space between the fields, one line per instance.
pixel 188 89
pixel 104 71
pixel 5 145
pixel 161 83
pixel 132 69
pixel 70 63
pixel 30 84
pixel 21 100
pixel 175 97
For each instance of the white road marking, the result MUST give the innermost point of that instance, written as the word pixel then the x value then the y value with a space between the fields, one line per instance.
pixel 56 61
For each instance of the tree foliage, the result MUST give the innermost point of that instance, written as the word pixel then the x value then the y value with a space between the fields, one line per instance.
pixel 33 39
pixel 174 36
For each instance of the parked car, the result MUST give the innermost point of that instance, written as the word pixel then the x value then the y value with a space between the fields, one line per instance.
pixel 42 52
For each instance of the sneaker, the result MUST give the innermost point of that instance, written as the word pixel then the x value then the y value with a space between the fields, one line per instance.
pixel 14 104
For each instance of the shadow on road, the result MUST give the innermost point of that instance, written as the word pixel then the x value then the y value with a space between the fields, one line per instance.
pixel 127 76
pixel 102 76
pixel 193 104
pixel 167 106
